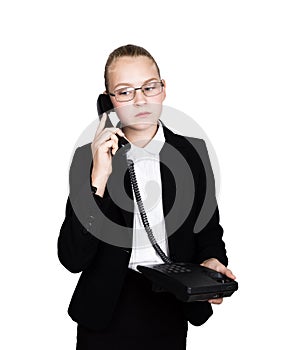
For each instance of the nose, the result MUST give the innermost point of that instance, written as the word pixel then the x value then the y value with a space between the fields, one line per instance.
pixel 139 98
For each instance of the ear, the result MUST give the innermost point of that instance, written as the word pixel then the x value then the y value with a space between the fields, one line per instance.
pixel 164 89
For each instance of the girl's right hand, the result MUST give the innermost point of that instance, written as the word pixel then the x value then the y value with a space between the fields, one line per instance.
pixel 104 145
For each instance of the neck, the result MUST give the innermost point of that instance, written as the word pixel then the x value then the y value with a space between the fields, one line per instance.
pixel 140 138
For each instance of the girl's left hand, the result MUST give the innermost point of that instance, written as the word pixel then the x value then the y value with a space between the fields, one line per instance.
pixel 214 264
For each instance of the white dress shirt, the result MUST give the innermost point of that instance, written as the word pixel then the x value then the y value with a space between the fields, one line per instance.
pixel 147 169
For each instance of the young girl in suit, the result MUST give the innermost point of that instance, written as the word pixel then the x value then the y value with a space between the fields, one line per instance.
pixel 113 303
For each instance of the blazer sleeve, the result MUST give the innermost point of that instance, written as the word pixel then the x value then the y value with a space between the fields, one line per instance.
pixel 79 235
pixel 207 229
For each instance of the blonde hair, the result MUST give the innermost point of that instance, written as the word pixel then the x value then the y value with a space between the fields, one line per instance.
pixel 126 50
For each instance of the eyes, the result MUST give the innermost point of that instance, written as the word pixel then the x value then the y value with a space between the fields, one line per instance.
pixel 127 93
pixel 124 92
pixel 150 87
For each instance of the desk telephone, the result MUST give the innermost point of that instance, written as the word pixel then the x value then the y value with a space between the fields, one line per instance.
pixel 187 281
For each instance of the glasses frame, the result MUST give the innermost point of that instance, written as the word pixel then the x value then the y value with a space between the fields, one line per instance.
pixel 139 88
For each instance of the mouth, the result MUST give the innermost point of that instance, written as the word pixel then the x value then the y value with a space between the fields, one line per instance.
pixel 142 114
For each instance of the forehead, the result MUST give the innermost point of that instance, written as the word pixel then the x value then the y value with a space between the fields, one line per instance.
pixel 131 70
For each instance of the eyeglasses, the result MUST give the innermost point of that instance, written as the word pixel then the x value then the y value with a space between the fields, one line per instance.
pixel 128 93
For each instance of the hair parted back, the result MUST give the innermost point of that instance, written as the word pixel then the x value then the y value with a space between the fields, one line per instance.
pixel 129 51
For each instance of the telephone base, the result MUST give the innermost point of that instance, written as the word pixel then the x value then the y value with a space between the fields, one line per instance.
pixel 189 282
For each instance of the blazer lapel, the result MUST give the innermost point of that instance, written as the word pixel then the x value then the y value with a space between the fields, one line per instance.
pixel 167 162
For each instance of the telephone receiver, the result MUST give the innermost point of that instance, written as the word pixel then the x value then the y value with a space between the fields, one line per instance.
pixel 104 105
pixel 187 281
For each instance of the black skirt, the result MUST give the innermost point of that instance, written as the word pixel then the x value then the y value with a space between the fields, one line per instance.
pixel 142 319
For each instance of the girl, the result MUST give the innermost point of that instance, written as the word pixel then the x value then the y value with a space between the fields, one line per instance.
pixel 113 304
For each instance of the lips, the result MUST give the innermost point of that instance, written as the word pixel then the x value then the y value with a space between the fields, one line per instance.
pixel 142 114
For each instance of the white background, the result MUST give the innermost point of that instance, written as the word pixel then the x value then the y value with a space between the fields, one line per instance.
pixel 226 64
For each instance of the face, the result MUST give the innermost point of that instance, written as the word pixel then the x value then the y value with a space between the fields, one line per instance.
pixel 142 112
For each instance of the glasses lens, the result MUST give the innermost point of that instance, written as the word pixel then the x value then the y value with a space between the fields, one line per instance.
pixel 152 89
pixel 124 94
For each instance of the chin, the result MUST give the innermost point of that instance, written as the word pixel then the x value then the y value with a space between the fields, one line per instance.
pixel 142 125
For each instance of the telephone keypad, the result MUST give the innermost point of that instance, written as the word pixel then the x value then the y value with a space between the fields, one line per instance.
pixel 173 268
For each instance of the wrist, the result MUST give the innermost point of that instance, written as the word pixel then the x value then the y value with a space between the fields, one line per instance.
pixel 98 188
pixel 98 183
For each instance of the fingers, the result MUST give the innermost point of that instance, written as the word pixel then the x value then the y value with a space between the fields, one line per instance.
pixel 114 149
pixel 223 269
pixel 108 146
pixel 229 274
pixel 102 124
pixel 120 132
pixel 115 138
pixel 105 135
pixel 217 301
pixel 107 139
pixel 101 127
pixel 214 264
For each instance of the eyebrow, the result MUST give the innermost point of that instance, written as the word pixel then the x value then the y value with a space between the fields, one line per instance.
pixel 128 84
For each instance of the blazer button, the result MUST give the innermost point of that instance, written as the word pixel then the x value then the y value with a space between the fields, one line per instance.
pixel 89 225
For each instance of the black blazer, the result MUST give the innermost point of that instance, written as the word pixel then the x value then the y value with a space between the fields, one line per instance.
pixel 96 233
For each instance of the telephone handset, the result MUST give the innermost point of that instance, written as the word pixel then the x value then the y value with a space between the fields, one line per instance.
pixel 104 105
pixel 187 281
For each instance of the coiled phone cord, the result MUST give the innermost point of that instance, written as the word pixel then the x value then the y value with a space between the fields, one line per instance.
pixel 144 218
